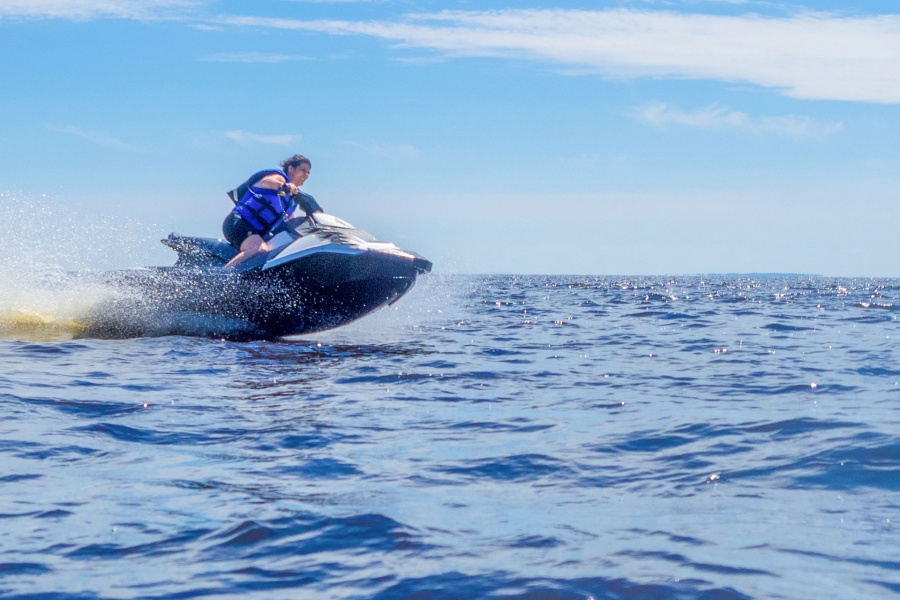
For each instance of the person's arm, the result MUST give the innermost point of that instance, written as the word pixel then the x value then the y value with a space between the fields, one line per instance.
pixel 277 182
pixel 271 182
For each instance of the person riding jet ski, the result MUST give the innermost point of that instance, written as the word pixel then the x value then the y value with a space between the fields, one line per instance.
pixel 263 203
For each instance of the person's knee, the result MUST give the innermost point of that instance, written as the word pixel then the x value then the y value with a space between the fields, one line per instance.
pixel 253 243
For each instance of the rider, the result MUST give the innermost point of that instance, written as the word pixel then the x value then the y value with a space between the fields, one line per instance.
pixel 263 202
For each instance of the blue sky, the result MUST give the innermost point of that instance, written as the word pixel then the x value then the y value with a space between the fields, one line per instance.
pixel 621 138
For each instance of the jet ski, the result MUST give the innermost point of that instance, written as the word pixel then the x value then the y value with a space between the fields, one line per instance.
pixel 319 273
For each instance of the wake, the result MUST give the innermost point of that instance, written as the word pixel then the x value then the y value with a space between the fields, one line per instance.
pixel 49 288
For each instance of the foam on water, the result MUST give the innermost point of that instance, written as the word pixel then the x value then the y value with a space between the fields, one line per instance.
pixel 49 289
pixel 43 302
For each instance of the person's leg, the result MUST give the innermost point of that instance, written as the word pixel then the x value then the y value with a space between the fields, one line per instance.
pixel 235 229
pixel 251 246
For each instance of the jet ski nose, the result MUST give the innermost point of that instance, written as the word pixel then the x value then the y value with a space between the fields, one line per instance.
pixel 422 265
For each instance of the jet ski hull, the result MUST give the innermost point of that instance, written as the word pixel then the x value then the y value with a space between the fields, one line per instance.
pixel 326 291
pixel 323 278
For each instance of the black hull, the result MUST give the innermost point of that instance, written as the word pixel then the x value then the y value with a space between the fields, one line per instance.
pixel 326 291
pixel 310 294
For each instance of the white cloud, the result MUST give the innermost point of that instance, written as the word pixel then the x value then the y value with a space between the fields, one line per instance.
pixel 246 138
pixel 80 10
pixel 100 138
pixel 799 127
pixel 712 117
pixel 810 55
pixel 723 118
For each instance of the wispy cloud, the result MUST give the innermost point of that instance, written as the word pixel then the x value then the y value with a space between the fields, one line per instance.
pixel 251 57
pixel 245 138
pixel 100 138
pixel 723 118
pixel 809 55
pixel 711 117
pixel 81 10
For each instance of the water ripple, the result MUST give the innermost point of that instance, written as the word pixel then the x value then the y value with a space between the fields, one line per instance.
pixel 488 437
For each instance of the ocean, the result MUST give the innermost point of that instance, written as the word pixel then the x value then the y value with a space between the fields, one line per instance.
pixel 514 437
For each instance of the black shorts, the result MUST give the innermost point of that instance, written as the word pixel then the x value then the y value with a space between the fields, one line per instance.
pixel 236 230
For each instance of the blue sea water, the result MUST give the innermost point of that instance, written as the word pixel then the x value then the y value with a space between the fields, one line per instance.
pixel 488 437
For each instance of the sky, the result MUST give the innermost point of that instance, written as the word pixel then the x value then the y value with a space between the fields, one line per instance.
pixel 656 137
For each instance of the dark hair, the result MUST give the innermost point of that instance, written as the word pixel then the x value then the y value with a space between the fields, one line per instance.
pixel 295 161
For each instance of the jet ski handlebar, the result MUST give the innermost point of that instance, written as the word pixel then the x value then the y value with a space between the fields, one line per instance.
pixel 307 203
pixel 304 201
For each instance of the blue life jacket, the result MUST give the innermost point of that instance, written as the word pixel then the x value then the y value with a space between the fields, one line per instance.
pixel 262 209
